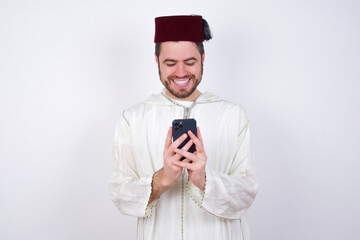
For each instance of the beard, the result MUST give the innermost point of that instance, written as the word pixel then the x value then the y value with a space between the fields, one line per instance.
pixel 181 93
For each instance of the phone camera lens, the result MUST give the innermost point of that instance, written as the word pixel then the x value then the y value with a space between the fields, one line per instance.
pixel 180 126
pixel 176 123
pixel 176 129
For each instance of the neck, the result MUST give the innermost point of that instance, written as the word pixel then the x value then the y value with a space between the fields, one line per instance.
pixel 191 98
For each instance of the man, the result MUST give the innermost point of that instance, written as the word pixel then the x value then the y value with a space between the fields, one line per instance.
pixel 207 194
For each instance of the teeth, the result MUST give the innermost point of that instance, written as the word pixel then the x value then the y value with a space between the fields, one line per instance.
pixel 181 81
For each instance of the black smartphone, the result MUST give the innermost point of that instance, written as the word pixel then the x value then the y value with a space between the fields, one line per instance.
pixel 181 126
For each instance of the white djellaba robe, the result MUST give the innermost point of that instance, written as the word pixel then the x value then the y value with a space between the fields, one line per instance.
pixel 184 212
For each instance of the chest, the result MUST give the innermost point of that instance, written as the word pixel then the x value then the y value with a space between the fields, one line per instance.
pixel 152 126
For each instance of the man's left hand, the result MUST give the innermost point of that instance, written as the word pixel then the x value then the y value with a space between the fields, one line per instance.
pixel 194 162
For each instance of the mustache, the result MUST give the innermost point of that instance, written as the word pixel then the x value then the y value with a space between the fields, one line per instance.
pixel 172 77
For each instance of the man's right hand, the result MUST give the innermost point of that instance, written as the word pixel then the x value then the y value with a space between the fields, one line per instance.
pixel 170 173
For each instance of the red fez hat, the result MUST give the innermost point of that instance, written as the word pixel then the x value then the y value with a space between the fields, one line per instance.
pixel 179 28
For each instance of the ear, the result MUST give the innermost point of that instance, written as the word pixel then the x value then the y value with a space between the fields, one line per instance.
pixel 203 57
pixel 156 59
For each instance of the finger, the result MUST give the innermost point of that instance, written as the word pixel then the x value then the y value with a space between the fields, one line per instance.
pixel 199 134
pixel 184 148
pixel 178 141
pixel 176 158
pixel 185 160
pixel 187 155
pixel 168 138
pixel 186 165
pixel 197 142
pixel 188 145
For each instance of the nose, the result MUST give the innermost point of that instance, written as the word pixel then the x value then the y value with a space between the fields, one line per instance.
pixel 181 70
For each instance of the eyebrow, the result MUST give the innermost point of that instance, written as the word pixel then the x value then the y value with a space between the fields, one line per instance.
pixel 189 59
pixel 173 60
pixel 169 60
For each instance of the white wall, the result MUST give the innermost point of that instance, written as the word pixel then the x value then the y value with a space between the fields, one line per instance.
pixel 68 68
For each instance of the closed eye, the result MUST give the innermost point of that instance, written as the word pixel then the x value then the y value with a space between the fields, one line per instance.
pixel 169 62
pixel 190 61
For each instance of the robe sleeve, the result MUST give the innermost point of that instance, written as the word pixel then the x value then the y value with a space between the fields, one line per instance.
pixel 129 192
pixel 230 195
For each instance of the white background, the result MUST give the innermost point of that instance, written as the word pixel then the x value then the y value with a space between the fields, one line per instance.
pixel 68 68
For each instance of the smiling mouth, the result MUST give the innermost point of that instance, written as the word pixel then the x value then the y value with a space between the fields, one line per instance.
pixel 181 81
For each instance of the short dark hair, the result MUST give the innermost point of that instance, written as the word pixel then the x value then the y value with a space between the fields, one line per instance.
pixel 199 45
pixel 207 36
